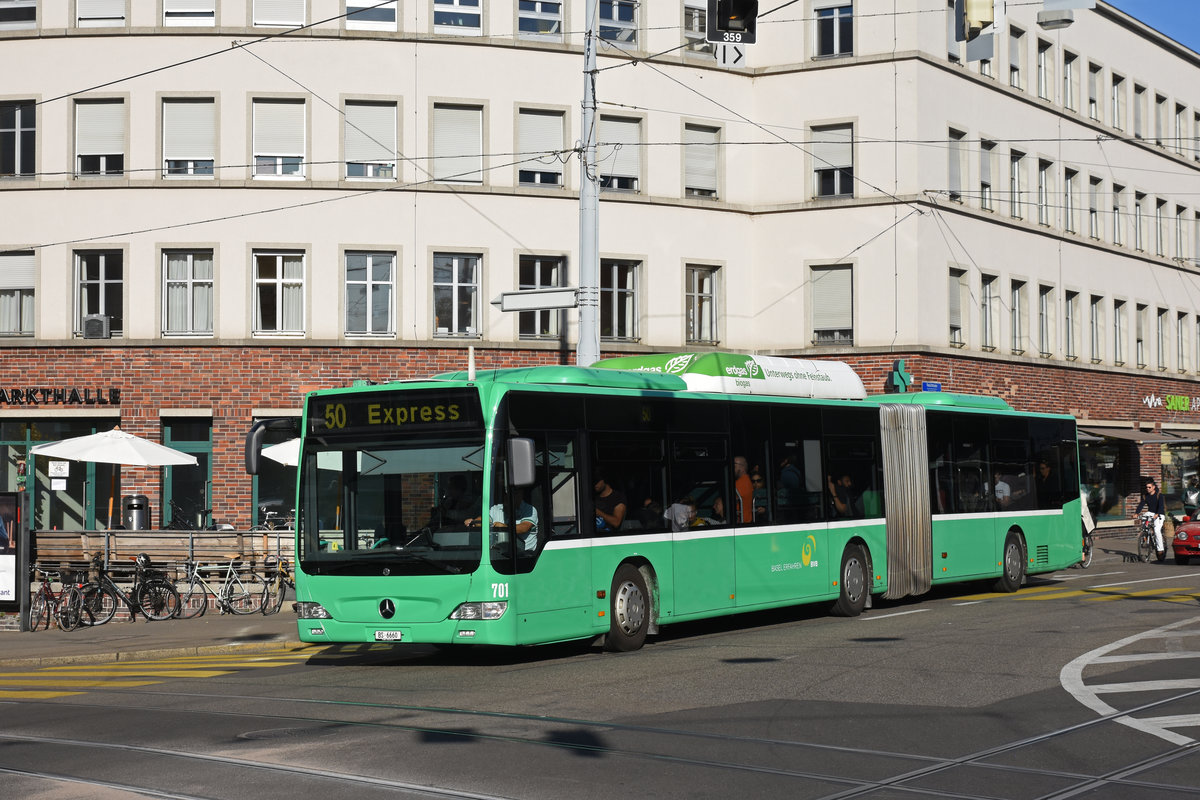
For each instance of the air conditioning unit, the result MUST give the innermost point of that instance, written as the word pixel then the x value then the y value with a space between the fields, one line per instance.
pixel 96 326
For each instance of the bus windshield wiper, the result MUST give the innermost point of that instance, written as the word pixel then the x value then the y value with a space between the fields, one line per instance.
pixel 383 555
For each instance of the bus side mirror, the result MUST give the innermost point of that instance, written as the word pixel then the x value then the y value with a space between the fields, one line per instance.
pixel 254 439
pixel 521 467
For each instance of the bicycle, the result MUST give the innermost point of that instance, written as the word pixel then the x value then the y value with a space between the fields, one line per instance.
pixel 1145 527
pixel 182 520
pixel 151 593
pixel 279 578
pixel 238 594
pixel 1089 545
pixel 46 604
pixel 71 610
pixel 276 521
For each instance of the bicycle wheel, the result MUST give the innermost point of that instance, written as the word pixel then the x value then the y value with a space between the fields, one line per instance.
pixel 69 612
pixel 245 594
pixel 158 599
pixel 39 611
pixel 276 592
pixel 1088 547
pixel 193 598
pixel 101 601
pixel 1146 546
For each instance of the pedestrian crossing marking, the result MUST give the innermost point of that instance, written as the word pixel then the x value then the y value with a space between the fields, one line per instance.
pixel 21 694
pixel 1117 593
pixel 1028 590
pixel 148 672
pixel 67 682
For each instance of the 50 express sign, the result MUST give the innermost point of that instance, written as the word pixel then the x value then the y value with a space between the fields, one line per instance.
pixel 395 412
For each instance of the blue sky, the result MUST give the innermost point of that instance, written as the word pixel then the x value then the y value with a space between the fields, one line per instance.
pixel 1179 19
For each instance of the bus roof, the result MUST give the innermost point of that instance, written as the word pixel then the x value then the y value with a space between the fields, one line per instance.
pixel 943 399
pixel 738 373
pixel 573 376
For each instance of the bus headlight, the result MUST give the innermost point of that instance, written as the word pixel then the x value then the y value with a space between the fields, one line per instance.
pixel 312 611
pixel 489 610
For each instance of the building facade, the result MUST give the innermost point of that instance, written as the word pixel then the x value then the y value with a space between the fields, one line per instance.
pixel 212 206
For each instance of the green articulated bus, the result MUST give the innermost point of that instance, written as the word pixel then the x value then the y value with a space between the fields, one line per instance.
pixel 545 504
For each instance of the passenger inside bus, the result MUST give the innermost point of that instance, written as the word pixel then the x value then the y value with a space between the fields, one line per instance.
pixel 609 502
pixel 526 529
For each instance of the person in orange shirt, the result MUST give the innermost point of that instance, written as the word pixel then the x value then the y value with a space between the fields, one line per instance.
pixel 743 491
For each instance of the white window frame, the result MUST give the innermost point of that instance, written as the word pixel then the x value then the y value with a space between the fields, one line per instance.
pixel 987 157
pixel 23 15
pixel 1044 189
pixel 695 29
pixel 957 164
pixel 24 130
pixel 618 28
pixel 107 288
pixel 279 139
pixel 619 155
pixel 1139 337
pixel 457 135
pixel 540 131
pixel 1181 341
pixel 18 306
pixel 700 304
pixel 100 13
pixel 1117 102
pixel 458 17
pixel 540 272
pixel 1119 332
pixel 371 287
pixel 100 134
pixel 1045 320
pixel 189 138
pixel 1045 79
pixel 957 298
pixel 369 145
pixel 832 306
pixel 291 306
pixel 460 286
pixel 1016 57
pixel 359 15
pixel 830 20
pixel 546 23
pixel 1162 344
pixel 1070 78
pixel 1070 326
pixel 278 13
pixel 1095 221
pixel 1118 212
pixel 1070 187
pixel 832 151
pixel 1016 169
pixel 192 285
pixel 1018 316
pixel 1095 78
pixel 701 161
pixel 189 13
pixel 987 311
pixel 1096 328
pixel 619 284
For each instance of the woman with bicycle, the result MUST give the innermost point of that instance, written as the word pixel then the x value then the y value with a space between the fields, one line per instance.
pixel 1152 502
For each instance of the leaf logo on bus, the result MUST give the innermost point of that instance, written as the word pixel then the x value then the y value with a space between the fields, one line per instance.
pixel 808 551
pixel 678 364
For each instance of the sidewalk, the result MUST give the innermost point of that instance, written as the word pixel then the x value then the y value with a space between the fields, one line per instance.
pixel 211 634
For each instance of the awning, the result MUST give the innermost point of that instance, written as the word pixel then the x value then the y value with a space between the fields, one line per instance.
pixel 1184 436
pixel 1084 436
pixel 1130 435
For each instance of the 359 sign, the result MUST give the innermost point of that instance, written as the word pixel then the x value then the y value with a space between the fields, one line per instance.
pixel 731 21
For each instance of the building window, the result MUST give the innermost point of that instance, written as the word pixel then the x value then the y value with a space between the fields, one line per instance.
pixel 986 156
pixel 1196 137
pixel 1070 81
pixel 1118 214
pixel 100 13
pixel 1119 332
pixel 18 14
pixel 540 141
pixel 540 272
pixel 1139 336
pixel 537 19
pixel 700 160
pixel 189 13
pixel 957 300
pixel 279 138
pixel 370 16
pixel 189 138
pixel 370 289
pixel 1016 167
pixel 1160 119
pixel 101 283
pixel 1180 128
pixel 370 145
pixel 618 22
pixel 1095 76
pixel 1045 81
pixel 100 137
pixel 701 301
pixel 1139 221
pixel 457 144
pixel 1139 111
pixel 278 293
pixel 1071 326
pixel 835 30
pixel 1096 329
pixel 1070 204
pixel 957 164
pixel 1160 344
pixel 987 312
pixel 1018 316
pixel 1181 338
pixel 695 17
pixel 1016 46
pixel 279 13
pixel 1160 228
pixel 833 161
pixel 1044 190
pixel 187 292
pixel 833 305
pixel 1045 320
pixel 17 276
pixel 619 153
pixel 1095 223
pixel 459 17
pixel 1181 239
pixel 18 139
pixel 618 299
pixel 1117 102
pixel 455 294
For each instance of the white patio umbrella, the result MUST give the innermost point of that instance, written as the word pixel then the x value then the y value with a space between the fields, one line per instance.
pixel 286 453
pixel 114 447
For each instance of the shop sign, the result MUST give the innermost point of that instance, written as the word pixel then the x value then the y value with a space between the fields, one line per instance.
pixel 60 396
pixel 1172 402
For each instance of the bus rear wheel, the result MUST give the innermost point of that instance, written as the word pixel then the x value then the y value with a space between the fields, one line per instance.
pixel 629 610
pixel 852 583
pixel 1013 568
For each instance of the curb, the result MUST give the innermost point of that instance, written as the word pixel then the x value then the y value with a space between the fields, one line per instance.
pixel 157 652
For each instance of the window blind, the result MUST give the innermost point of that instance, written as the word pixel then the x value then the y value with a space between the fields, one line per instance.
pixel 17 271
pixel 539 132
pixel 100 127
pixel 619 140
pixel 955 297
pixel 700 157
pixel 457 143
pixel 189 129
pixel 370 132
pixel 279 127
pixel 831 298
pixel 833 148
pixel 279 12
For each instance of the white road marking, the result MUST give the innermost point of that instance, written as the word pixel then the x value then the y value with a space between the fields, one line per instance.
pixel 898 614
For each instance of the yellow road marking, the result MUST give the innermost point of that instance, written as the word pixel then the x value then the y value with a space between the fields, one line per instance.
pixel 63 680
pixel 1116 593
pixel 93 672
pixel 23 694
pixel 1026 591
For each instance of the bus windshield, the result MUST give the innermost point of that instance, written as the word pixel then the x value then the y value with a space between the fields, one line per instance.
pixel 382 502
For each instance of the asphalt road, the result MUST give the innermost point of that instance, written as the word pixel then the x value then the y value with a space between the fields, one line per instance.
pixel 1086 684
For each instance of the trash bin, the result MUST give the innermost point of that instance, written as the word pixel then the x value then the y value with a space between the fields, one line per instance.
pixel 135 512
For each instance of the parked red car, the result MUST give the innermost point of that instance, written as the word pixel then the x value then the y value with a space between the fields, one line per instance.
pixel 1186 543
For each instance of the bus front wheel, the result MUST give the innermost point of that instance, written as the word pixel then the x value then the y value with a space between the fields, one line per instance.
pixel 629 610
pixel 1013 568
pixel 852 582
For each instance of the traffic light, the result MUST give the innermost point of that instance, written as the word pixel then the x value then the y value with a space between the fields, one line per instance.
pixel 732 21
pixel 977 15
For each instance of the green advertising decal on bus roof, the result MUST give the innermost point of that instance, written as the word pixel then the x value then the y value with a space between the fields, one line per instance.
pixel 737 373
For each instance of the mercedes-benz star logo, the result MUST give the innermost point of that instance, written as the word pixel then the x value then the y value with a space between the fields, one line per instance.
pixel 387 609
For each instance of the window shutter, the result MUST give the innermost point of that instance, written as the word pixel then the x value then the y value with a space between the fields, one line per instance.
pixel 189 129
pixel 100 127
pixel 831 298
pixel 370 132
pixel 279 12
pixel 1014 49
pixel 457 144
pixel 700 157
pixel 955 297
pixel 278 127
pixel 17 271
pixel 539 132
pixel 956 154
pixel 100 9
pixel 623 160
pixel 832 148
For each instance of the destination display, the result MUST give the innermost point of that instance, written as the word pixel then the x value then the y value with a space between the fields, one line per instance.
pixel 389 411
pixel 735 373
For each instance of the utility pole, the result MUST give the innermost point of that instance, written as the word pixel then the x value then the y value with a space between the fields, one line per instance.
pixel 588 350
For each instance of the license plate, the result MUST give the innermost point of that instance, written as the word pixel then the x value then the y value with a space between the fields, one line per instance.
pixel 388 636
